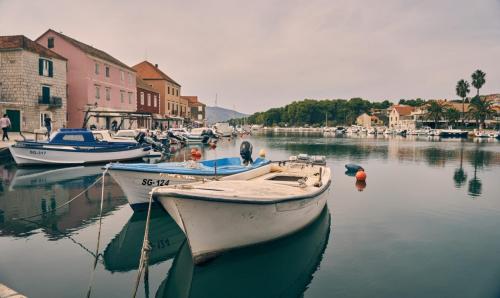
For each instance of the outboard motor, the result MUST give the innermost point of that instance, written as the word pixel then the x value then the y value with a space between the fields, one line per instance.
pixel 246 152
pixel 162 147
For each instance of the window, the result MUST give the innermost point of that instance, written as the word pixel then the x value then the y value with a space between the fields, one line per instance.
pixel 96 68
pixel 130 94
pixel 142 98
pixel 45 67
pixel 122 96
pixel 122 75
pixel 108 94
pixel 107 71
pixel 43 116
pixel 130 78
pixel 97 92
pixel 168 90
pixel 45 94
pixel 169 106
pixel 77 138
pixel 149 99
pixel 177 91
pixel 155 103
pixel 50 42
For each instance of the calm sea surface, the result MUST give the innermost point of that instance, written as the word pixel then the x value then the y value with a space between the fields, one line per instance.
pixel 426 224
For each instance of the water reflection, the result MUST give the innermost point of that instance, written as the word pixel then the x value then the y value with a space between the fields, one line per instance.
pixel 123 252
pixel 282 268
pixel 30 191
pixel 460 176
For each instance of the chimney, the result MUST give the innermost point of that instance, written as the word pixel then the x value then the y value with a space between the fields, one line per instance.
pixel 156 65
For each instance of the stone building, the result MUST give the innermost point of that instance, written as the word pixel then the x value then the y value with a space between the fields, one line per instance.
pixel 171 105
pixel 32 84
pixel 100 86
pixel 402 117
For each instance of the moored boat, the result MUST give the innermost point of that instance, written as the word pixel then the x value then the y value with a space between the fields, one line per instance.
pixel 248 208
pixel 137 180
pixel 453 133
pixel 74 146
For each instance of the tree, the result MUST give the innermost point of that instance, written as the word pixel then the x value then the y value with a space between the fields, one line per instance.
pixel 462 90
pixel 478 80
pixel 452 115
pixel 480 109
pixel 435 111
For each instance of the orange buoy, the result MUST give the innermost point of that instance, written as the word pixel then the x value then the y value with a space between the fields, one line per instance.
pixel 193 151
pixel 197 154
pixel 361 175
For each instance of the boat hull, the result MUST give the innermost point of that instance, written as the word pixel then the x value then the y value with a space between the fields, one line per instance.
pixel 137 185
pixel 212 227
pixel 46 156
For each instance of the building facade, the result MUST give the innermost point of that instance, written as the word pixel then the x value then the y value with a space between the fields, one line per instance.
pixel 32 84
pixel 171 106
pixel 401 117
pixel 366 120
pixel 99 85
pixel 148 101
pixel 196 110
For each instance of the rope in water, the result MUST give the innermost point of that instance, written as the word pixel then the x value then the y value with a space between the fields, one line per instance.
pixel 98 235
pixel 68 202
pixel 145 250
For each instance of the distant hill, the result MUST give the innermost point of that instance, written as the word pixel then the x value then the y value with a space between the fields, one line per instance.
pixel 218 114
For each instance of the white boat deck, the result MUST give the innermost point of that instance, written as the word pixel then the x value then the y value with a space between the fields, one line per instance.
pixel 275 183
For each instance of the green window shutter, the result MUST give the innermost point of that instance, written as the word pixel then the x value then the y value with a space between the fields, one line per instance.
pixel 40 67
pixel 51 69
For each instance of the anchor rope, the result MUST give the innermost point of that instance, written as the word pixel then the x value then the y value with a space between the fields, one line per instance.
pixel 98 235
pixel 145 250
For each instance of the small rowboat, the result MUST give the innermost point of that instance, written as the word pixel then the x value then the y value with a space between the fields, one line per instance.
pixel 248 208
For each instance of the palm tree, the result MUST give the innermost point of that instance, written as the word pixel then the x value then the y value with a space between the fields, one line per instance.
pixel 480 109
pixel 462 90
pixel 478 79
pixel 452 115
pixel 435 111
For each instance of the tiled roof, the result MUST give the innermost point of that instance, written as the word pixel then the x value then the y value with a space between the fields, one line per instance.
pixel 22 42
pixel 149 71
pixel 143 85
pixel 191 99
pixel 91 50
pixel 403 110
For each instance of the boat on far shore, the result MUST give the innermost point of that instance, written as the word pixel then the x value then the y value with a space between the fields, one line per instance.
pixel 453 133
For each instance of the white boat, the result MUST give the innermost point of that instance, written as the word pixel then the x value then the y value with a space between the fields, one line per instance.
pixel 243 209
pixel 485 134
pixel 199 135
pixel 105 135
pixel 434 132
pixel 137 180
pixel 223 129
pixel 453 133
pixel 74 146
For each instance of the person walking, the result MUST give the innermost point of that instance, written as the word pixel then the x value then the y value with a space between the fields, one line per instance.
pixel 48 125
pixel 5 125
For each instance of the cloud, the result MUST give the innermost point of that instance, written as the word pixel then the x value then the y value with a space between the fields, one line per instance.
pixel 260 54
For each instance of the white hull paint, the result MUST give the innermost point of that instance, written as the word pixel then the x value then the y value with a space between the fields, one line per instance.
pixel 41 156
pixel 137 185
pixel 242 224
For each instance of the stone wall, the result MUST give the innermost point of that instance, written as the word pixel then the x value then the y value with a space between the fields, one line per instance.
pixel 21 85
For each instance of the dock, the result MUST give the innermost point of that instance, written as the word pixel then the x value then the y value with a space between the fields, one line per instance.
pixel 6 292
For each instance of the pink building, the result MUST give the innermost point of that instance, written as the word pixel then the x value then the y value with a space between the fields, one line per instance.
pixel 97 82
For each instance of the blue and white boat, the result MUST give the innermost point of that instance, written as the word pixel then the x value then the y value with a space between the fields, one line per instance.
pixel 74 146
pixel 138 179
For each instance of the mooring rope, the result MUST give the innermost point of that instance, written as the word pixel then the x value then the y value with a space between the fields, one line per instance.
pixel 68 202
pixel 98 236
pixel 145 250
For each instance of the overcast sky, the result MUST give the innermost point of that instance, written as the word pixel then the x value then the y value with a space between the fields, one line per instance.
pixel 261 54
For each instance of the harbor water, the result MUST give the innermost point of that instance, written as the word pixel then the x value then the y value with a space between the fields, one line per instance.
pixel 425 224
